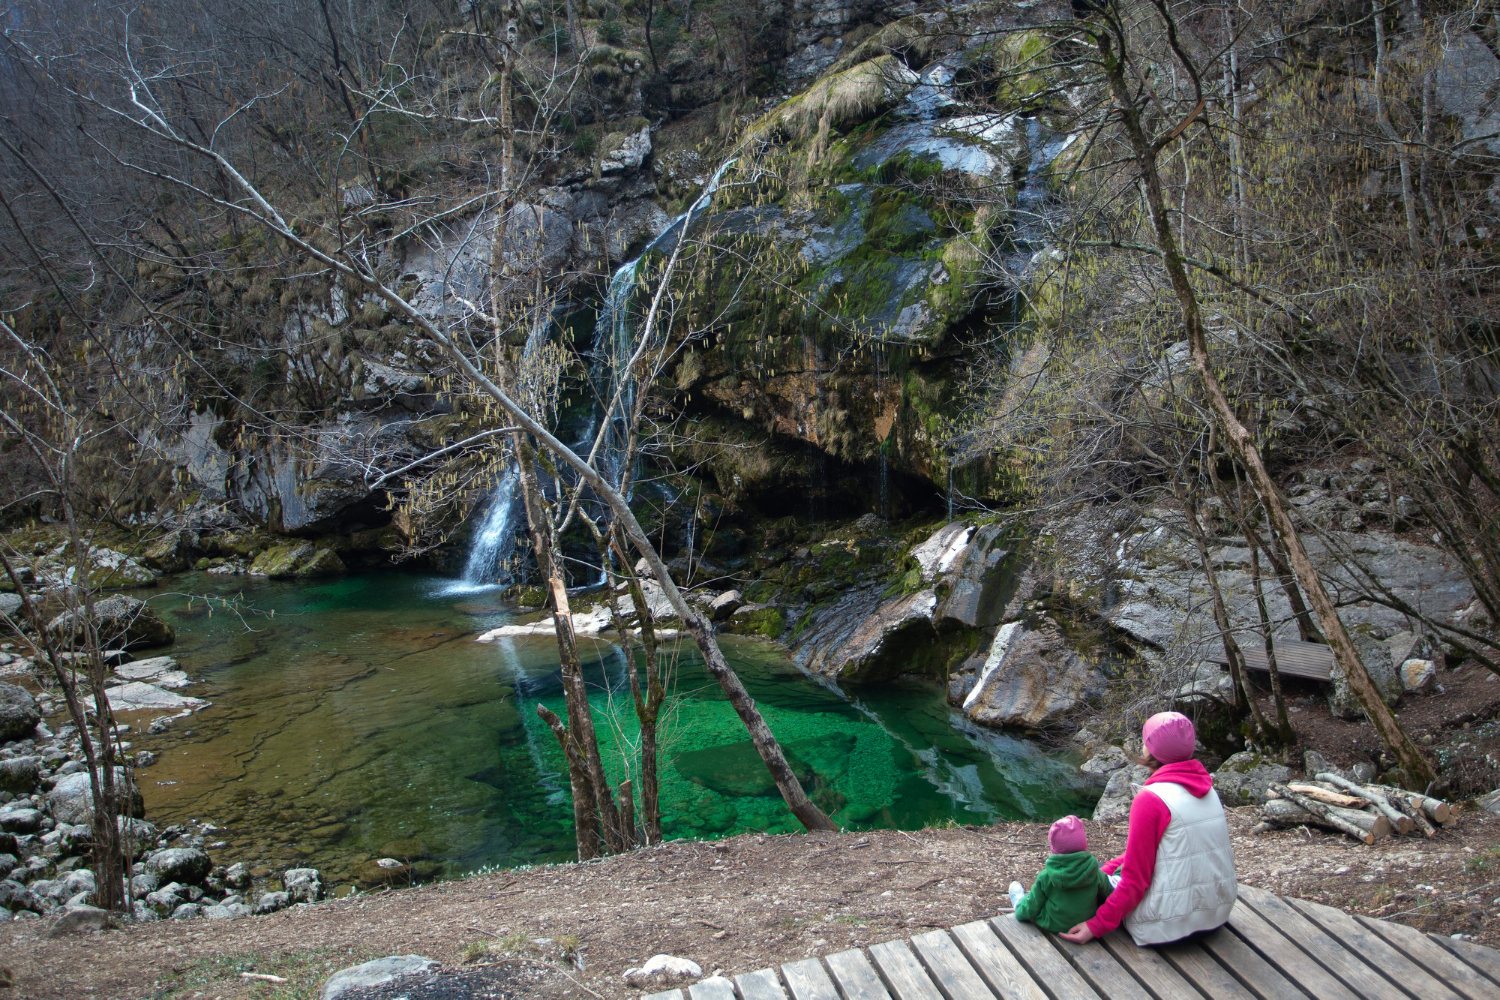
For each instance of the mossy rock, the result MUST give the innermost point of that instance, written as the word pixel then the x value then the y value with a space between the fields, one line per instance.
pixel 767 622
pixel 297 559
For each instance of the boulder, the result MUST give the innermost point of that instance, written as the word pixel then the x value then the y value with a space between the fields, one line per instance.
pixel 226 911
pixel 20 819
pixel 237 876
pixel 10 605
pixel 372 974
pixel 981 581
pixel 20 775
pixel 78 882
pixel 1376 656
pixel 8 863
pixel 1418 676
pixel 1489 802
pixel 171 553
pixel 72 798
pixel 1105 762
pixel 187 865
pixel 1114 804
pixel 78 919
pixel 18 713
pixel 302 885
pixel 120 621
pixel 726 604
pixel 942 550
pixel 297 559
pixel 1245 778
pixel 1033 678
pixel 187 911
pixel 144 884
pixel 14 896
pixel 270 902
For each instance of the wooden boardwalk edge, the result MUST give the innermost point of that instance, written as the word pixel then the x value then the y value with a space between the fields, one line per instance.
pixel 1272 949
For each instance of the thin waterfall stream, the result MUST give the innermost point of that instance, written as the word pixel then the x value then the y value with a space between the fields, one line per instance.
pixel 615 337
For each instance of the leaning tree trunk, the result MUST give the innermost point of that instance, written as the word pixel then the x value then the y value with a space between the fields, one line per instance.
pixel 575 693
pixel 1241 441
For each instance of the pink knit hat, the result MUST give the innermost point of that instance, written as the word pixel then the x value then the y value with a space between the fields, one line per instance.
pixel 1169 737
pixel 1067 836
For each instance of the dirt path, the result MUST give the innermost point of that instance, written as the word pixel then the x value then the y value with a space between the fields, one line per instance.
pixel 730 905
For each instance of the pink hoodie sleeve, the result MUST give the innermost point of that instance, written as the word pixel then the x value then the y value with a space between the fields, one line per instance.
pixel 1149 817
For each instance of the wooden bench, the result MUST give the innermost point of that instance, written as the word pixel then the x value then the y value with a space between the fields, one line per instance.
pixel 1311 660
pixel 1272 948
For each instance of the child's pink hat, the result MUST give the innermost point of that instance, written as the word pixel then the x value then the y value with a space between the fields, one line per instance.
pixel 1169 737
pixel 1067 836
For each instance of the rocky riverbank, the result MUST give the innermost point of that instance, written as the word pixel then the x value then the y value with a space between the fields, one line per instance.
pixel 728 906
pixel 46 839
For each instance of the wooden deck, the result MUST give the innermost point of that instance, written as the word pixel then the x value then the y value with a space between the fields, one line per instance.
pixel 1273 948
pixel 1294 658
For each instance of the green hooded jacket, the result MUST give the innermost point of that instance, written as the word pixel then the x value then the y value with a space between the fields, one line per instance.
pixel 1068 891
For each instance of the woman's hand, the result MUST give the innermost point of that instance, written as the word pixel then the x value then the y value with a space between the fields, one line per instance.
pixel 1080 934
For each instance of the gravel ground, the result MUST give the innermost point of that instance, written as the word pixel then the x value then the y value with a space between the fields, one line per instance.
pixel 731 905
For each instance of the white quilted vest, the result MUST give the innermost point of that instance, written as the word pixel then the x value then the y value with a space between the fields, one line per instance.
pixel 1193 887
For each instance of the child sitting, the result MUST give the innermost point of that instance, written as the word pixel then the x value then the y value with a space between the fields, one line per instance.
pixel 1070 886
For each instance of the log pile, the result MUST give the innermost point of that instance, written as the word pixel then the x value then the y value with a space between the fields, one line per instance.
pixel 1363 811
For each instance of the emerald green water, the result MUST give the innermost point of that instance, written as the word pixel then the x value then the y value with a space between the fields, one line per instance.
pixel 358 719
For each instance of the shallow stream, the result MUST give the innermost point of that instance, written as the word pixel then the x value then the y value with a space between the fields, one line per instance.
pixel 358 719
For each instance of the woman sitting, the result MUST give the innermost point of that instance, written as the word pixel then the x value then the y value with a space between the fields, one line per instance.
pixel 1176 877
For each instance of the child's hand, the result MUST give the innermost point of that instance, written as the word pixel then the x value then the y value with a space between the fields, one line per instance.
pixel 1079 934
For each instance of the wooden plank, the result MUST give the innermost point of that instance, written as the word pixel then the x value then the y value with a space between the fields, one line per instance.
pixel 668 995
pixel 856 977
pixel 761 984
pixel 1259 976
pixel 1006 976
pixel 1149 967
pixel 1349 968
pixel 1431 956
pixel 1045 963
pixel 1200 968
pixel 902 972
pixel 947 965
pixel 1311 660
pixel 1104 971
pixel 712 988
pixel 1375 950
pixel 1286 957
pixel 1485 960
pixel 808 981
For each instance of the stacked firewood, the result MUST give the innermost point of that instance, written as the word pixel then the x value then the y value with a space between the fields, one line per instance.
pixel 1363 811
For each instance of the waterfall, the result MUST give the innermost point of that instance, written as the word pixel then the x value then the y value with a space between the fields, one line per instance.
pixel 615 334
pixel 495 541
pixel 614 341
